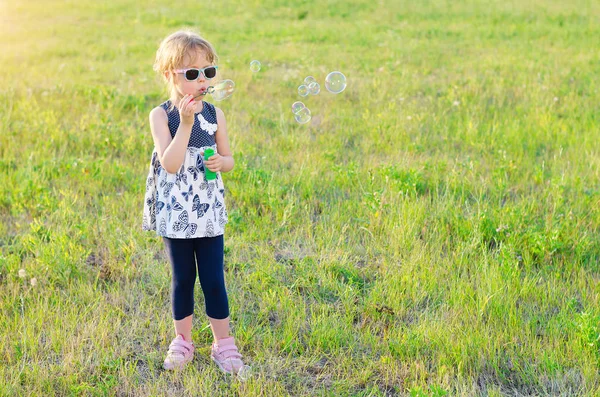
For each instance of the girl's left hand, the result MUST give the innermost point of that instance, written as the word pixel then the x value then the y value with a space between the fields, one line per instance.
pixel 214 162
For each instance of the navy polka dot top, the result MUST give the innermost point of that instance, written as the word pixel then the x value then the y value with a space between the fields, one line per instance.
pixel 204 128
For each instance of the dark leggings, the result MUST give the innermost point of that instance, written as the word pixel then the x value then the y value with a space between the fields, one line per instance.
pixel 208 253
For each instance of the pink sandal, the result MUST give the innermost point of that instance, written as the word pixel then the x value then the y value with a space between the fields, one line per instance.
pixel 180 353
pixel 226 355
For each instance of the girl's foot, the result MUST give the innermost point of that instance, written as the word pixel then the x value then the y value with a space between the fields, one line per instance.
pixel 180 353
pixel 227 356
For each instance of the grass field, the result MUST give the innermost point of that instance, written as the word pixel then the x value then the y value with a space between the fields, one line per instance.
pixel 433 231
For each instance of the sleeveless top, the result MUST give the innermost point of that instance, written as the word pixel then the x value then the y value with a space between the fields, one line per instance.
pixel 185 204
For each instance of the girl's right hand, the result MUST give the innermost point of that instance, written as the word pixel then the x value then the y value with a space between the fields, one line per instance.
pixel 187 107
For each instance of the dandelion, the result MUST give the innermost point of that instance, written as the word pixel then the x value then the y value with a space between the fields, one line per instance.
pixel 33 282
pixel 22 273
pixel 555 99
pixel 455 103
pixel 409 118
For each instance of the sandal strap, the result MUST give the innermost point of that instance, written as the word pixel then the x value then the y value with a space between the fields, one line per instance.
pixel 227 348
pixel 182 343
pixel 180 347
pixel 230 354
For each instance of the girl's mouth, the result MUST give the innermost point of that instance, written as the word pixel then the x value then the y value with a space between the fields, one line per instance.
pixel 204 91
pixel 200 93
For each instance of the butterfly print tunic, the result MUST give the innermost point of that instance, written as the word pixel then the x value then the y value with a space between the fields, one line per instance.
pixel 185 204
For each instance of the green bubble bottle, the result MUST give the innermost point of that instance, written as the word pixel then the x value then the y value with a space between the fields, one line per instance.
pixel 210 175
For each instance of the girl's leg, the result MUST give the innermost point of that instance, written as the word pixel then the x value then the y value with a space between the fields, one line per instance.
pixel 220 328
pixel 183 266
pixel 209 257
pixel 184 327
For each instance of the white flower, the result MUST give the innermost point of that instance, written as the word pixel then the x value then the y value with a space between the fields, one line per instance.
pixel 33 281
pixel 210 127
pixel 455 103
pixel 22 273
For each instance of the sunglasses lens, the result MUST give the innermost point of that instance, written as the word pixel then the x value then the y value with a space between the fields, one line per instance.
pixel 192 74
pixel 210 72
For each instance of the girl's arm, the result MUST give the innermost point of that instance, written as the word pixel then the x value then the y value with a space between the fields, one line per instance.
pixel 223 142
pixel 171 151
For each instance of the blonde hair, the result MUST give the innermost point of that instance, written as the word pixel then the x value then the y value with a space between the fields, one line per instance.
pixel 173 50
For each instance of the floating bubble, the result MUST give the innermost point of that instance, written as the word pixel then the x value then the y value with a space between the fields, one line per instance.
pixel 255 66
pixel 297 106
pixel 222 90
pixel 244 373
pixel 309 79
pixel 335 82
pixel 314 88
pixel 303 90
pixel 303 116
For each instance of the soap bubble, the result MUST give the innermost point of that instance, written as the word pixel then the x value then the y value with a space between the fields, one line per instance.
pixel 314 88
pixel 309 79
pixel 222 90
pixel 303 90
pixel 303 116
pixel 244 373
pixel 335 82
pixel 255 66
pixel 297 106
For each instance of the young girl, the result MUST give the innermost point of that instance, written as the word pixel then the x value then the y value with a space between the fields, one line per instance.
pixel 181 204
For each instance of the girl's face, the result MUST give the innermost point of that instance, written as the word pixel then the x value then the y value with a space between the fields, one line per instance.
pixel 196 87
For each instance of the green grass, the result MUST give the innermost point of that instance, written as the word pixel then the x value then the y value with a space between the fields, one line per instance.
pixel 433 231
